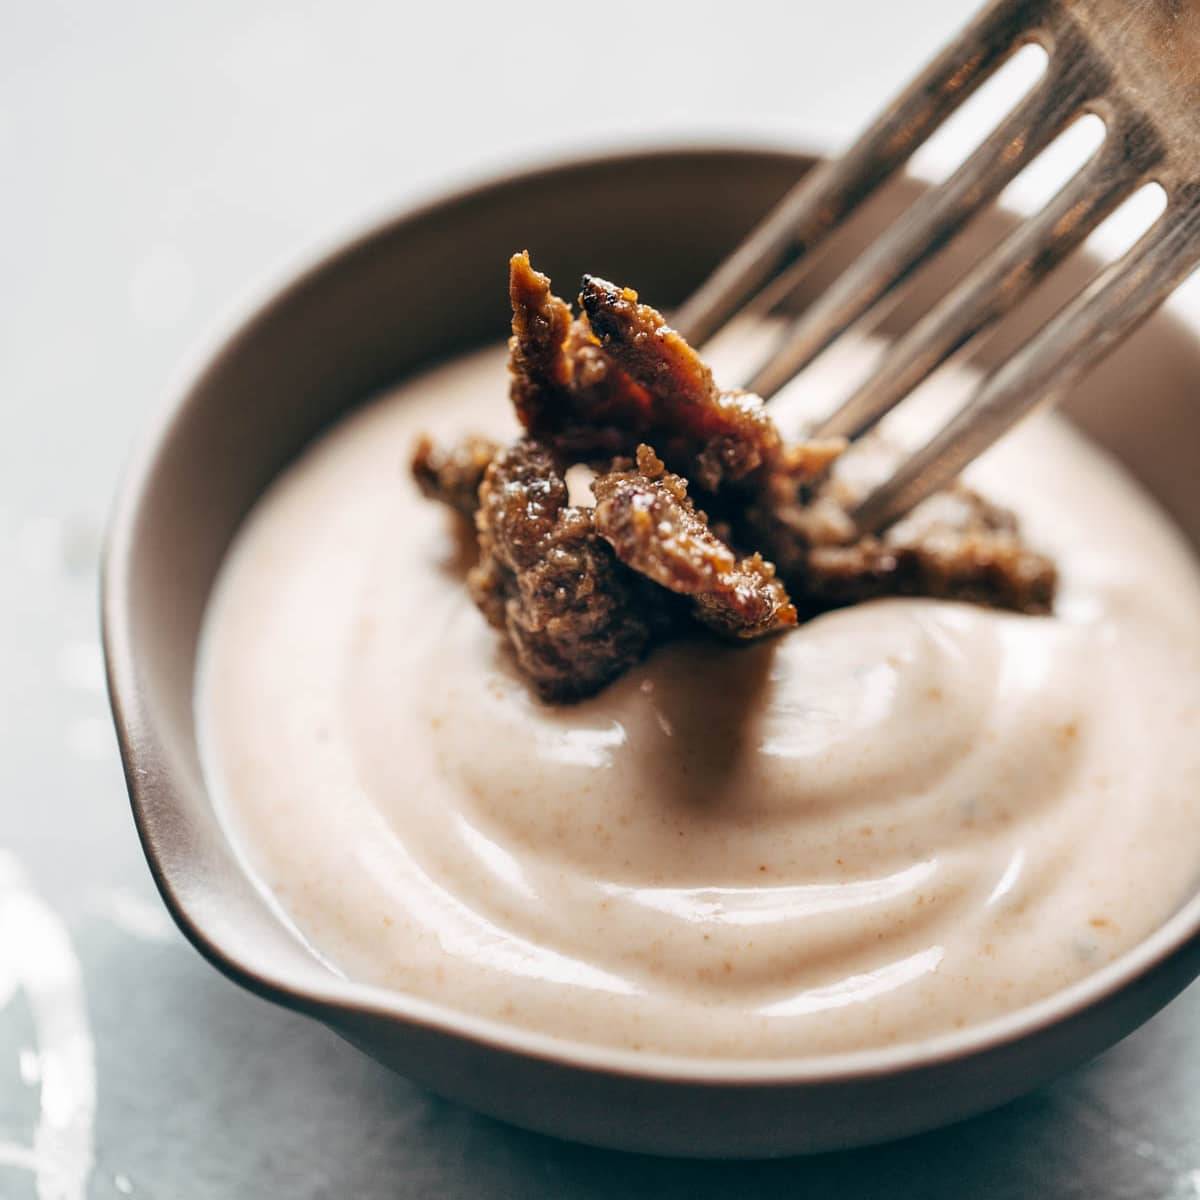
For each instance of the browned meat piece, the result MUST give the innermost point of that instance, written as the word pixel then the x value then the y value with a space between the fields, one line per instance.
pixel 717 437
pixel 582 593
pixel 958 546
pixel 566 391
pixel 541 370
pixel 647 517
pixel 576 618
pixel 597 386
pixel 453 475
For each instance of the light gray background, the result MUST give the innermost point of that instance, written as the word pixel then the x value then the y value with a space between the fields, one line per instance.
pixel 157 161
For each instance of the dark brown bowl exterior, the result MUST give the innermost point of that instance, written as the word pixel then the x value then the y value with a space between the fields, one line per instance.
pixel 423 287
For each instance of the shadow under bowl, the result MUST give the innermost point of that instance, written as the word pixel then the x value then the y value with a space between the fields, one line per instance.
pixel 423 287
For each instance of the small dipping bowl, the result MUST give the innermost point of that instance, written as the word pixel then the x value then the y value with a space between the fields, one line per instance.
pixel 428 285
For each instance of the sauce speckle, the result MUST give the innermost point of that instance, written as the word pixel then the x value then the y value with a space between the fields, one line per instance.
pixel 899 819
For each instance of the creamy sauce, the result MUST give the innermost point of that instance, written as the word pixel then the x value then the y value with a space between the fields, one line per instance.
pixel 900 819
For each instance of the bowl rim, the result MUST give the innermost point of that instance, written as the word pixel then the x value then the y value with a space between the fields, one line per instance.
pixel 336 996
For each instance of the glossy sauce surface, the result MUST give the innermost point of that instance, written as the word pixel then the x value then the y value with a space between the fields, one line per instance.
pixel 900 819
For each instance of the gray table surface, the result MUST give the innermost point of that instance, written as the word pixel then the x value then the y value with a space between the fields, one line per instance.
pixel 156 160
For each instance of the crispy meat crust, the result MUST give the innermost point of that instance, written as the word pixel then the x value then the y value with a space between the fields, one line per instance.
pixel 540 367
pixel 717 437
pixel 567 392
pixel 645 514
pixel 453 475
pixel 596 386
pixel 575 617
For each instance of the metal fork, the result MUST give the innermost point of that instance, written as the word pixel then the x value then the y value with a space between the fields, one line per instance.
pixel 1136 65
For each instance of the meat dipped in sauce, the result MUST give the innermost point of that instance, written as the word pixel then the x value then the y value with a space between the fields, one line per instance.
pixel 582 593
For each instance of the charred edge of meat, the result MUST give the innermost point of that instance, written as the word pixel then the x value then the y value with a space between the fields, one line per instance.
pixel 566 391
pixel 541 322
pixel 715 436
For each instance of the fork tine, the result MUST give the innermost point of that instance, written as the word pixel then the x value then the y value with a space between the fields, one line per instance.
pixel 1082 333
pixel 830 192
pixel 1002 280
pixel 927 227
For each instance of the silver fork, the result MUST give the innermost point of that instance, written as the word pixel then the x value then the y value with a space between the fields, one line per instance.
pixel 1136 65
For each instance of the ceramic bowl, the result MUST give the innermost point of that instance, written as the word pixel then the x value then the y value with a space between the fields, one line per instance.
pixel 421 287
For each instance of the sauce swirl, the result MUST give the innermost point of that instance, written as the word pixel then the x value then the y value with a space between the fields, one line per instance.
pixel 900 819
